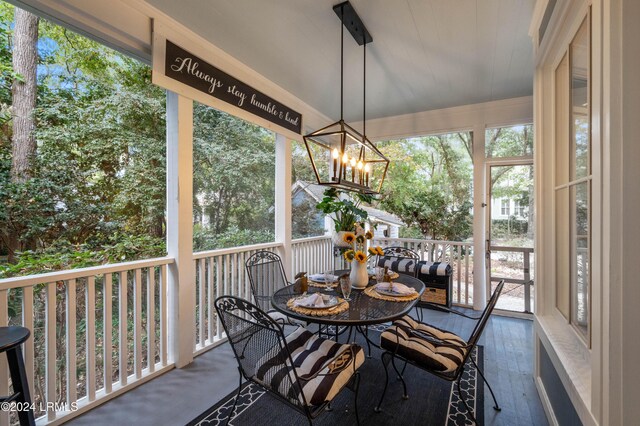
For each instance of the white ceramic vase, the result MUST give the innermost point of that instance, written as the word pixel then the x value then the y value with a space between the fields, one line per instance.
pixel 359 276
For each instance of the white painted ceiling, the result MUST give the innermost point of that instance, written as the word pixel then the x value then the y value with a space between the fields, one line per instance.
pixel 425 55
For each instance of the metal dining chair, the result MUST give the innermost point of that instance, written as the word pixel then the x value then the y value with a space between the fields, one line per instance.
pixel 302 369
pixel 439 352
pixel 266 275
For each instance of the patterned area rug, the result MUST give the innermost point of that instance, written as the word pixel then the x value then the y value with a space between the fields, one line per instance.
pixel 432 401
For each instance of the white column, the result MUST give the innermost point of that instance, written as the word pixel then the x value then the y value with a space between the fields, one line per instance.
pixel 283 201
pixel 479 234
pixel 181 275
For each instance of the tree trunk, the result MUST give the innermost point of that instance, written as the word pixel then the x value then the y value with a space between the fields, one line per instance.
pixel 23 93
pixel 25 60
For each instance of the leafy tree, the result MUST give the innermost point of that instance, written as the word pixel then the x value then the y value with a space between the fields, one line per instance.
pixel 428 185
pixel 234 168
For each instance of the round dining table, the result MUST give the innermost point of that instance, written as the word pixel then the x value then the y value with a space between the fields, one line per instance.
pixel 363 309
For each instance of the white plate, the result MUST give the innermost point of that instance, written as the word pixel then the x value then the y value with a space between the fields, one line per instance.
pixel 391 293
pixel 329 302
pixel 319 278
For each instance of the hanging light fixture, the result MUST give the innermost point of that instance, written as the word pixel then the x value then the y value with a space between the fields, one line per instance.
pixel 341 156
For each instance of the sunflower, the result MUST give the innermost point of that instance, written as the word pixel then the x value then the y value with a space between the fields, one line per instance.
pixel 349 255
pixel 360 256
pixel 349 237
pixel 368 235
pixel 372 251
pixel 380 251
pixel 360 239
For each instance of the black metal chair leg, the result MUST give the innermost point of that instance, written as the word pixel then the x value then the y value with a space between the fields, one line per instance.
pixel 495 402
pixel 355 398
pixel 366 333
pixel 20 384
pixel 403 368
pixel 235 401
pixel 385 361
pixel 350 332
pixel 473 418
pixel 404 385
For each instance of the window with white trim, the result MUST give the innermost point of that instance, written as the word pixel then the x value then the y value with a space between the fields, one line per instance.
pixel 573 183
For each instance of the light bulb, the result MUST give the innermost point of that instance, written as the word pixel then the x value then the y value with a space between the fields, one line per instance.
pixel 352 162
pixel 360 165
pixel 335 153
pixel 345 158
pixel 367 167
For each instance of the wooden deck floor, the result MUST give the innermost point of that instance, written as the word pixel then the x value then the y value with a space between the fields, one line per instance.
pixel 181 394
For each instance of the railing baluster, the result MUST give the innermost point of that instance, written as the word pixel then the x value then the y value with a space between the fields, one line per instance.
pixel 466 277
pixel 90 292
pixel 210 300
pixel 137 323
pixel 201 305
pixel 219 292
pixel 107 320
pixel 122 322
pixel 163 315
pixel 151 319
pixel 234 280
pixel 50 349
pixel 27 321
pixel 72 371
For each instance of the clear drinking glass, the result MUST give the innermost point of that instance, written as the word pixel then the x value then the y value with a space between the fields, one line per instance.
pixel 328 280
pixel 379 274
pixel 345 286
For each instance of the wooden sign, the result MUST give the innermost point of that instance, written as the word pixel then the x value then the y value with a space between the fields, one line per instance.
pixel 188 69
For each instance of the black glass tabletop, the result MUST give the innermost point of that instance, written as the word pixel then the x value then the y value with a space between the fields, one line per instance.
pixel 363 309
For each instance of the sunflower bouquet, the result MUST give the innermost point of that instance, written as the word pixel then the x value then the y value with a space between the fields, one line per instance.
pixel 358 241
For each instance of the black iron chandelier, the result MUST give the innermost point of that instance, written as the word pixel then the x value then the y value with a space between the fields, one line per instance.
pixel 341 156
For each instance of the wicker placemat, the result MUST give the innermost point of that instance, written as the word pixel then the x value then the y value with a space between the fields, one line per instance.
pixel 343 306
pixel 371 292
pixel 321 285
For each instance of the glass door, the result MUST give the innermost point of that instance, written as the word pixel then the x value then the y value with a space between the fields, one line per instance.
pixel 510 231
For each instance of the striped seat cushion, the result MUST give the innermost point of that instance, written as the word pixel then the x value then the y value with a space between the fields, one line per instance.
pixel 427 346
pixel 433 268
pixel 311 355
pixel 429 330
pixel 404 265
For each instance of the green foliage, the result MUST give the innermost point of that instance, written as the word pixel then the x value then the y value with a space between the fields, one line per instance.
pixel 205 238
pixel 512 141
pixel 100 166
pixel 429 185
pixel 63 255
pixel 234 168
pixel 508 228
pixel 346 210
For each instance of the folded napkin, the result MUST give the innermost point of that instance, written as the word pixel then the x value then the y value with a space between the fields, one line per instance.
pixel 397 288
pixel 320 277
pixel 313 300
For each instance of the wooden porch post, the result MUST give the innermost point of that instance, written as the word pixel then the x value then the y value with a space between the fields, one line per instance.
pixel 479 234
pixel 283 201
pixel 181 275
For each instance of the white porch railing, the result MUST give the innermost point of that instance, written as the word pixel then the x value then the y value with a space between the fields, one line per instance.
pixel 96 332
pixel 314 255
pixel 220 272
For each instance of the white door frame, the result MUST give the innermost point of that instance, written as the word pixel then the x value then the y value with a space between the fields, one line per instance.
pixel 496 162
